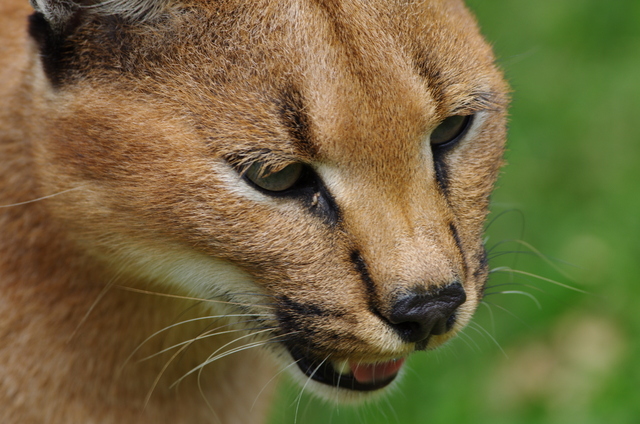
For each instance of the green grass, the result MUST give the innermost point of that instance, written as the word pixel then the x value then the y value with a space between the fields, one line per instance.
pixel 571 189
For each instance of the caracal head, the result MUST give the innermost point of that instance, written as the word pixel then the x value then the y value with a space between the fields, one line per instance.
pixel 325 166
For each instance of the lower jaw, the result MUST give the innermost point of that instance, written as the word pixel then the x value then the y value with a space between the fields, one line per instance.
pixel 324 372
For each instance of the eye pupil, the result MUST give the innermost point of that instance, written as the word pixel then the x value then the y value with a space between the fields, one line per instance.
pixel 277 181
pixel 450 130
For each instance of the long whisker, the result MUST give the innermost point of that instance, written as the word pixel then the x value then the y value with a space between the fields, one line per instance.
pixel 509 252
pixel 481 330
pixel 299 399
pixel 501 214
pixel 182 323
pixel 490 304
pixel 238 349
pixel 175 355
pixel 529 295
pixel 257 344
pixel 491 316
pixel 528 274
pixel 41 198
pixel 539 254
pixel 529 286
pixel 207 334
pixel 161 373
pixel 270 380
pixel 468 340
pixel 215 356
pixel 204 397
pixel 102 293
pixel 175 296
pixel 252 294
pixel 392 409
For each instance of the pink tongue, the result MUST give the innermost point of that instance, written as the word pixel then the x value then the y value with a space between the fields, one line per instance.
pixel 369 373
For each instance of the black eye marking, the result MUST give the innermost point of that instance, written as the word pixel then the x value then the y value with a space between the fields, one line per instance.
pixel 444 138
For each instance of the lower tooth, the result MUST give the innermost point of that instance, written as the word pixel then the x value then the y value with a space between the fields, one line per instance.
pixel 342 367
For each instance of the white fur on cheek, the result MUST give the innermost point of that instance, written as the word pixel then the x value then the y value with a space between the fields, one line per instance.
pixel 190 272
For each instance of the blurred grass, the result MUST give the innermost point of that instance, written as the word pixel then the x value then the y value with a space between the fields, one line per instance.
pixel 571 190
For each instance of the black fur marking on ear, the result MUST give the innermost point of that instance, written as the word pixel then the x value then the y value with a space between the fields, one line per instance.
pixel 55 52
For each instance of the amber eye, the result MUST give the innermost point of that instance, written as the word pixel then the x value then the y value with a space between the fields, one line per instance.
pixel 450 130
pixel 282 180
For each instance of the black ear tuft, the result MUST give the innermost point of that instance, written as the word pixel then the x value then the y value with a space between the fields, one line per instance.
pixel 51 45
pixel 56 13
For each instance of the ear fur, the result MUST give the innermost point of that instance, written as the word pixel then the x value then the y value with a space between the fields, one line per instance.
pixel 58 12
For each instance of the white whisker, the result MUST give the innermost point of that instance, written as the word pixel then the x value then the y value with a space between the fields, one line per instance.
pixel 205 335
pixel 41 198
pixel 468 340
pixel 502 308
pixel 299 398
pixel 491 316
pixel 270 380
pixel 522 293
pixel 161 373
pixel 481 330
pixel 204 397
pixel 509 270
pixel 215 356
pixel 91 308
pixel 539 254
pixel 198 299
pixel 209 317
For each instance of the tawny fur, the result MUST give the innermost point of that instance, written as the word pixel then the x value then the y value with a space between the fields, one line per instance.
pixel 119 177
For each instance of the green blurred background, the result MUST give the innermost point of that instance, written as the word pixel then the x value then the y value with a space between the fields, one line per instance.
pixel 571 190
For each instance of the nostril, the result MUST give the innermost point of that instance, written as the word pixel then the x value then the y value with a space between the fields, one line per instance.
pixel 417 315
pixel 409 330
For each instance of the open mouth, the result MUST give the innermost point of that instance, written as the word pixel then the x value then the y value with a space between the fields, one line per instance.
pixel 350 375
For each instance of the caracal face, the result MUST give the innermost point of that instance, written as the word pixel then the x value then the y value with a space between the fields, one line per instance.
pixel 324 166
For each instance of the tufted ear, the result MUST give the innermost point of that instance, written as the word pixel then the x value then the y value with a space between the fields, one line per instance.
pixel 58 13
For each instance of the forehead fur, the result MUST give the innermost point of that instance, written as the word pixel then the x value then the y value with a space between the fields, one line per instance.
pixel 383 76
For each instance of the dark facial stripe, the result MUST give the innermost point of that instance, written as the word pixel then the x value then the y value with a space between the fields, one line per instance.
pixel 296 120
pixel 433 76
pixel 442 171
pixel 291 308
pixel 370 288
pixel 361 267
pixel 456 238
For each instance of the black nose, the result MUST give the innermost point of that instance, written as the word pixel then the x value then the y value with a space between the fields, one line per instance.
pixel 417 315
